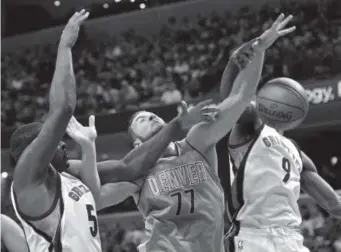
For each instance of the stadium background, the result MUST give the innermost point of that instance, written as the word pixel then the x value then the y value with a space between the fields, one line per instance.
pixel 136 54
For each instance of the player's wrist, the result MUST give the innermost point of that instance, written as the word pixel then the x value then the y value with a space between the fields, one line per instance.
pixel 64 45
pixel 86 142
pixel 179 125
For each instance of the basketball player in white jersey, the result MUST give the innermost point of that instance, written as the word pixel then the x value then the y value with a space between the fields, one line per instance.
pixel 181 198
pixel 57 211
pixel 267 171
pixel 12 236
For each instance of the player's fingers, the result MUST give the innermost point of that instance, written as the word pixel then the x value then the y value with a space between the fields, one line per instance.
pixel 69 131
pixel 70 127
pixel 207 117
pixel 205 103
pixel 286 31
pixel 92 121
pixel 74 17
pixel 249 53
pixel 242 60
pixel 210 116
pixel 255 44
pixel 183 106
pixel 278 20
pixel 82 17
pixel 284 22
pixel 72 121
pixel 207 110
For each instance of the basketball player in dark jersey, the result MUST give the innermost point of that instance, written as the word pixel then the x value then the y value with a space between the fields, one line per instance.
pixel 12 236
pixel 273 214
pixel 181 198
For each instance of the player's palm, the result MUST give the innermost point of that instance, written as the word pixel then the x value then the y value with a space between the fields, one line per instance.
pixel 274 32
pixel 81 134
pixel 202 111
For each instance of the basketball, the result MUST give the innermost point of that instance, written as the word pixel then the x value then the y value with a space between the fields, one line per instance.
pixel 282 103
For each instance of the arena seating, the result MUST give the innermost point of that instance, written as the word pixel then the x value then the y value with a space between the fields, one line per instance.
pixel 132 71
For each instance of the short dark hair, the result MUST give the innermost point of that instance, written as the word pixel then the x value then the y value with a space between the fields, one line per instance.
pixel 130 131
pixel 22 137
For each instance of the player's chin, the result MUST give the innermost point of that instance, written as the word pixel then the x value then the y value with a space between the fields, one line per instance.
pixel 155 129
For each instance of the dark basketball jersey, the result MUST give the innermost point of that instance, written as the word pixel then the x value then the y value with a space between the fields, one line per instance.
pixel 182 203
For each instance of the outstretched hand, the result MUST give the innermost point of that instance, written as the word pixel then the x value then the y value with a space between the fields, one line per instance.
pixel 274 32
pixel 203 111
pixel 81 134
pixel 71 30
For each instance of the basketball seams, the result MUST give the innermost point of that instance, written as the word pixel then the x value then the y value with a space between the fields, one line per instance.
pixel 296 92
pixel 279 121
pixel 267 99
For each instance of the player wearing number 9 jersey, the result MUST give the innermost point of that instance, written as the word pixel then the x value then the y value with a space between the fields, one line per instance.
pixel 267 171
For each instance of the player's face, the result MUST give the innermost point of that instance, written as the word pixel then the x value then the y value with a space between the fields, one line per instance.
pixel 146 124
pixel 60 159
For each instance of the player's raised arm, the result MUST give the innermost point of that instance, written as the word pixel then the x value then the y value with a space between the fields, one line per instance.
pixel 32 167
pixel 12 235
pixel 243 88
pixel 85 169
pixel 314 185
pixel 137 162
pixel 235 65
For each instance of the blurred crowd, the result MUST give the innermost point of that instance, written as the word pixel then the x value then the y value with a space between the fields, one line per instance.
pixel 321 232
pixel 184 61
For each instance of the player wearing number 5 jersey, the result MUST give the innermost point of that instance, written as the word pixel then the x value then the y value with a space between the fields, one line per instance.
pixel 57 210
pixel 266 173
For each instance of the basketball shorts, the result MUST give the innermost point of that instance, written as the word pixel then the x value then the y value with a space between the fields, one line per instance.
pixel 265 240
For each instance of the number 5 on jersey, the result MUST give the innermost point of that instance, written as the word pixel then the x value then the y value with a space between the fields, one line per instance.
pixel 92 217
pixel 179 199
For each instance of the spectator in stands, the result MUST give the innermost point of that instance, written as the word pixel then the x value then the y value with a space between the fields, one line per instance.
pixel 128 94
pixel 171 95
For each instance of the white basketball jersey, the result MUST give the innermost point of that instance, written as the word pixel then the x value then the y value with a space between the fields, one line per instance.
pixel 76 230
pixel 265 182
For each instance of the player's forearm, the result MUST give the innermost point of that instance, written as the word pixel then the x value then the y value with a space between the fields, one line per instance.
pixel 245 85
pixel 63 86
pixel 115 193
pixel 247 80
pixel 314 185
pixel 142 158
pixel 88 170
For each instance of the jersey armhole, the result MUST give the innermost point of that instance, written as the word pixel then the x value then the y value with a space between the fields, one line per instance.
pixel 248 141
pixel 55 241
pixel 57 196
